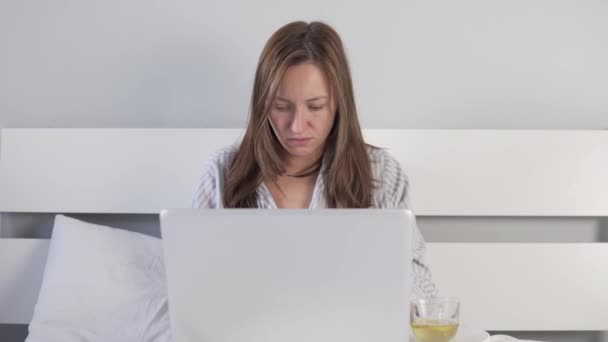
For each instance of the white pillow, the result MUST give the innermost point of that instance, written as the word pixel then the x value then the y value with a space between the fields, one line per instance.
pixel 101 284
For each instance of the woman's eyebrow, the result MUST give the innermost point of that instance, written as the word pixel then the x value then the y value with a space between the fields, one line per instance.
pixel 282 99
pixel 316 98
pixel 309 100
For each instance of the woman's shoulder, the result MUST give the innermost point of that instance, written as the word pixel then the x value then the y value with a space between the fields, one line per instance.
pixel 219 161
pixel 208 192
pixel 390 177
pixel 384 164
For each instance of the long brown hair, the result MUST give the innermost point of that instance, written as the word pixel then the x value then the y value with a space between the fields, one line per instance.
pixel 348 174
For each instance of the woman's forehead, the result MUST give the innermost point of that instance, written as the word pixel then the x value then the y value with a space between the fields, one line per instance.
pixel 303 82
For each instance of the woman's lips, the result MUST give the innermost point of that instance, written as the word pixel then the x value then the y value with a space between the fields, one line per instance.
pixel 299 141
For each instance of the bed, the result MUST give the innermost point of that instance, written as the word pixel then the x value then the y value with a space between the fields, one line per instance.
pixel 493 173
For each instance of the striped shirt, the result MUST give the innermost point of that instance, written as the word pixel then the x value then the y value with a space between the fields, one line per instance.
pixel 392 193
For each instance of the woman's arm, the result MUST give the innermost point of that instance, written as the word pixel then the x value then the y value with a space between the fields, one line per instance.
pixel 424 287
pixel 396 186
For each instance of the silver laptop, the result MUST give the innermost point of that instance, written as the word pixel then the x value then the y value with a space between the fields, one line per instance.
pixel 239 275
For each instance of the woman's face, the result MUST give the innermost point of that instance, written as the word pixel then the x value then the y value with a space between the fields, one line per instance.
pixel 302 112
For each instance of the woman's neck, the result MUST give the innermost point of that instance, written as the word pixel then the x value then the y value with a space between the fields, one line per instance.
pixel 299 165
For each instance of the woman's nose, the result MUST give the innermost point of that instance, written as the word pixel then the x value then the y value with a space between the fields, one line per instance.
pixel 297 123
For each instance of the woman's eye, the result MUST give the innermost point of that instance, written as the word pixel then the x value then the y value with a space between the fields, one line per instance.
pixel 281 108
pixel 315 108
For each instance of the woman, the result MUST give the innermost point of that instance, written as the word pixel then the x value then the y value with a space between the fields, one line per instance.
pixel 303 146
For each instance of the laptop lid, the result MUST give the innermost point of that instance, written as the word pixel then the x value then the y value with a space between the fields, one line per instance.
pixel 239 275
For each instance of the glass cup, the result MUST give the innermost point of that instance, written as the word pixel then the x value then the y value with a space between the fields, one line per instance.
pixel 435 319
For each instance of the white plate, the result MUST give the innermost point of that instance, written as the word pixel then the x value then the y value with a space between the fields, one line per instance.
pixel 467 334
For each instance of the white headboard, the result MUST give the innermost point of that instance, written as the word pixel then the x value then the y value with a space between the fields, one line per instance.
pixel 514 286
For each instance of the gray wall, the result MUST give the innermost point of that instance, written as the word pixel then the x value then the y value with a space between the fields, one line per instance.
pixel 416 64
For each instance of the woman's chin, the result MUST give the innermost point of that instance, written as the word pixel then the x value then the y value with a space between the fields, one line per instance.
pixel 301 151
